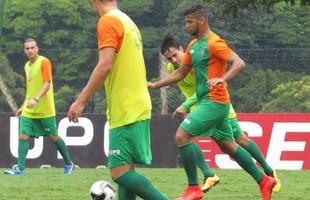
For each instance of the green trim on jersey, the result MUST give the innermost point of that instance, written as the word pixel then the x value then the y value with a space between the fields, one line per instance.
pixel 34 82
pixel 200 57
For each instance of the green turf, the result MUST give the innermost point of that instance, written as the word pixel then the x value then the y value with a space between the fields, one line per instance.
pixel 51 184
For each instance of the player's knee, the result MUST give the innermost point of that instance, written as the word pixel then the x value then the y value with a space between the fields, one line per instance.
pixel 117 172
pixel 23 137
pixel 54 138
pixel 243 141
pixel 182 138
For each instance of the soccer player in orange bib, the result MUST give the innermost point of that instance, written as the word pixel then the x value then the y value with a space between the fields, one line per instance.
pixel 174 53
pixel 208 54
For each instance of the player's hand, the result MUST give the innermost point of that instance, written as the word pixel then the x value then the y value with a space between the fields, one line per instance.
pixel 18 112
pixel 75 111
pixel 32 103
pixel 150 85
pixel 179 110
pixel 214 81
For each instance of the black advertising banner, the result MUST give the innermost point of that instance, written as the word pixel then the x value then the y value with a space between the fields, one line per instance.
pixel 87 142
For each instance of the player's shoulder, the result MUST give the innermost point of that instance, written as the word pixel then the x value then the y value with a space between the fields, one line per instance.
pixel 214 38
pixel 215 42
pixel 44 59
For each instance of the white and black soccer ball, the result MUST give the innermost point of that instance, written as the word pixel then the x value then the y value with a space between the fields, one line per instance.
pixel 102 190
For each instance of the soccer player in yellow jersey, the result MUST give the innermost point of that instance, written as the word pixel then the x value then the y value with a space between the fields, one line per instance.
pixel 174 53
pixel 121 69
pixel 37 114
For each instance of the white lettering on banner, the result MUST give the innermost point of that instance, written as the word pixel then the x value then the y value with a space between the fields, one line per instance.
pixel 35 152
pixel 253 130
pixel 106 138
pixel 84 140
pixel 278 144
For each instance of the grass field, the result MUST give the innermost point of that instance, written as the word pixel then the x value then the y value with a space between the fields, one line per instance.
pixel 51 184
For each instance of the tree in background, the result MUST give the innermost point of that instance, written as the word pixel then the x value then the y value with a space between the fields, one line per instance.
pixel 66 29
pixel 253 89
pixel 293 96
pixel 11 85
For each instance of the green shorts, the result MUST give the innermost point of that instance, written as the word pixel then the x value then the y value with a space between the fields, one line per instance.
pixel 209 119
pixel 38 127
pixel 237 131
pixel 130 144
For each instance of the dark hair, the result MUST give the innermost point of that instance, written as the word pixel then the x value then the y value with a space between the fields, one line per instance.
pixel 197 10
pixel 168 42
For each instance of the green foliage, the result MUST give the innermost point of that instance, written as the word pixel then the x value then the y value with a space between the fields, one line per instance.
pixel 54 23
pixel 151 36
pixel 64 98
pixel 66 33
pixel 293 96
pixel 255 88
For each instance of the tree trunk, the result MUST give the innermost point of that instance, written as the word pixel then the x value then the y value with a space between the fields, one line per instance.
pixel 8 96
pixel 163 90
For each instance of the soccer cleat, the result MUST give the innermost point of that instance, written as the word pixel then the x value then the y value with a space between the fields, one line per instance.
pixel 15 171
pixel 265 186
pixel 68 168
pixel 277 186
pixel 209 182
pixel 191 193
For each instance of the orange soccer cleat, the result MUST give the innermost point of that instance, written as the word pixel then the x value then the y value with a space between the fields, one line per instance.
pixel 191 193
pixel 265 186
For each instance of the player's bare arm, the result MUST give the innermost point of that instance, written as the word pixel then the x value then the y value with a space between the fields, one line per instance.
pixel 237 64
pixel 95 82
pixel 174 77
pixel 33 102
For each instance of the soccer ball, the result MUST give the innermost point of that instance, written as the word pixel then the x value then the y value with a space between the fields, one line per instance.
pixel 102 190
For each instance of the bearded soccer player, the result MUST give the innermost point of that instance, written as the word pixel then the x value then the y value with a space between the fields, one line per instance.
pixel 173 52
pixel 37 114
pixel 208 55
pixel 121 69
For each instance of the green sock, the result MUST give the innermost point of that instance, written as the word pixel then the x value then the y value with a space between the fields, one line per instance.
pixel 189 162
pixel 244 159
pixel 201 161
pixel 62 148
pixel 23 146
pixel 255 152
pixel 124 194
pixel 139 185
